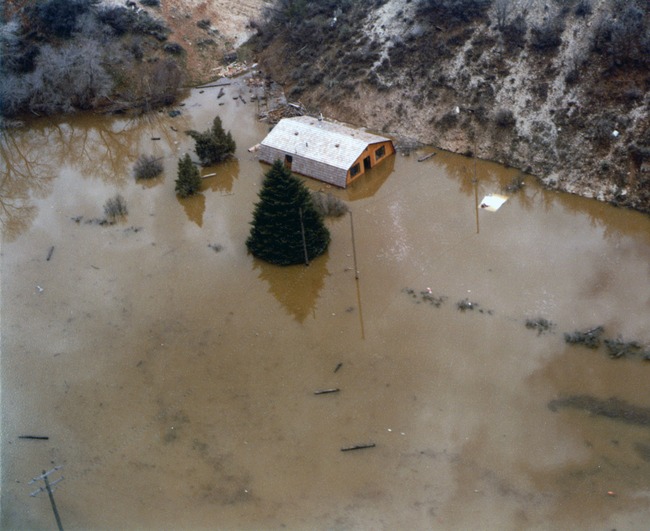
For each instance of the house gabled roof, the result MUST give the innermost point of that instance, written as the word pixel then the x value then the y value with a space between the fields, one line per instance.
pixel 327 142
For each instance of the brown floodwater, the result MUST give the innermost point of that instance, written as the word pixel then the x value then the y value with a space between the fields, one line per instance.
pixel 174 374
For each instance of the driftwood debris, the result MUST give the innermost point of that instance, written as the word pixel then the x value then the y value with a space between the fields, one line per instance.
pixel 35 437
pixel 221 93
pixel 426 157
pixel 214 85
pixel 289 110
pixel 49 254
pixel 338 366
pixel 327 391
pixel 358 447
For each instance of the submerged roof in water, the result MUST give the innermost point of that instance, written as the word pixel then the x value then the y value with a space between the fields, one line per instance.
pixel 319 140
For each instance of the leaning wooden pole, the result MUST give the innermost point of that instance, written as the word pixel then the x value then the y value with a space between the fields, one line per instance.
pixel 304 239
pixel 354 247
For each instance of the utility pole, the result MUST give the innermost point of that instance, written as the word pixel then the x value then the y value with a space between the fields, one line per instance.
pixel 48 487
pixel 354 248
pixel 304 239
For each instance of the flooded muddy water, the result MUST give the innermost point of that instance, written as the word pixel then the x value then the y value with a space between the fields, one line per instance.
pixel 174 374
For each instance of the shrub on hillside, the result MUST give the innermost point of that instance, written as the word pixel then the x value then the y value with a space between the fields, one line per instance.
pixel 454 12
pixel 624 39
pixel 547 37
pixel 66 78
pixel 514 33
pixel 124 20
pixel 584 8
pixel 59 17
pixel 173 48
pixel 504 118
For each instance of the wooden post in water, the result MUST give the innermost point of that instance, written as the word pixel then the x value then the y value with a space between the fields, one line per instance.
pixel 354 248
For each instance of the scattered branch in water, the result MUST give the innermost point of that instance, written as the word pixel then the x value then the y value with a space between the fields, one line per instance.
pixel 540 324
pixel 358 447
pixel 426 296
pixel 613 408
pixel 617 348
pixel 516 184
pixel 466 304
pixel 589 338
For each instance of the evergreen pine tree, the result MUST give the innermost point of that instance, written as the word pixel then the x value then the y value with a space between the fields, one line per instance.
pixel 277 233
pixel 189 180
pixel 213 145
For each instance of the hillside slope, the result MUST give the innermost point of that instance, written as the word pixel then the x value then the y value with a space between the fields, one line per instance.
pixel 558 89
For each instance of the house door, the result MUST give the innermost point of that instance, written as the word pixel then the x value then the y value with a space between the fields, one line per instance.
pixel 366 163
pixel 288 159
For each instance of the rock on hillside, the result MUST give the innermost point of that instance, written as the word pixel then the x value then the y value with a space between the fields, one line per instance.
pixel 556 88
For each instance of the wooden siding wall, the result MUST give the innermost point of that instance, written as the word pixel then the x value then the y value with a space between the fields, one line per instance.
pixel 370 150
pixel 305 166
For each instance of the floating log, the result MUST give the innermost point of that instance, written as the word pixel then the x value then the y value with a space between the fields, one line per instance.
pixel 358 447
pixel 49 254
pixel 36 437
pixel 221 93
pixel 242 99
pixel 155 138
pixel 326 391
pixel 214 85
pixel 426 157
pixel 338 366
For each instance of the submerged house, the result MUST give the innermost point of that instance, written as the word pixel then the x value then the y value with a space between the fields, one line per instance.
pixel 323 150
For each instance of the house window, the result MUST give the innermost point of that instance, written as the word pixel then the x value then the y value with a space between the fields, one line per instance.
pixel 355 170
pixel 380 152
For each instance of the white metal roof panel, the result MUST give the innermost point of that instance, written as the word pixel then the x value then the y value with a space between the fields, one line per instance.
pixel 327 142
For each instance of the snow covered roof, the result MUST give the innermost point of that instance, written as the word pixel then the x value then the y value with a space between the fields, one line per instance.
pixel 319 140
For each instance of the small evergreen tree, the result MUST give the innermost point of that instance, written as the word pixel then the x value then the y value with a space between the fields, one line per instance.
pixel 284 211
pixel 189 180
pixel 213 145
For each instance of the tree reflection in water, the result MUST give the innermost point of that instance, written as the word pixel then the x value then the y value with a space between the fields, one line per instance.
pixel 93 146
pixel 296 287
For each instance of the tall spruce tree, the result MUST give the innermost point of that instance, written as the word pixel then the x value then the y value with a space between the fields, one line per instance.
pixel 284 212
pixel 189 179
pixel 213 145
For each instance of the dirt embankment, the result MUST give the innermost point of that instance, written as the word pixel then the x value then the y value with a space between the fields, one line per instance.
pixel 523 83
pixel 207 30
pixel 551 88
